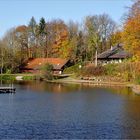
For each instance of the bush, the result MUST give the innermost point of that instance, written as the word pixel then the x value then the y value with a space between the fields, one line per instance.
pixel 48 76
pixel 110 69
pixel 8 71
pixel 137 79
pixel 92 70
pixel 47 68
pixel 126 76
pixel 47 71
pixel 73 69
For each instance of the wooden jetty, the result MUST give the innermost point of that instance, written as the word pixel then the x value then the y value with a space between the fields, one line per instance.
pixel 7 90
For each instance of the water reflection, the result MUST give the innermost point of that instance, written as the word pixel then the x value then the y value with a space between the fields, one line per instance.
pixel 42 87
pixel 50 87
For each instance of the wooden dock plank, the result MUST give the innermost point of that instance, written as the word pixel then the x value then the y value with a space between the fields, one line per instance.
pixel 7 90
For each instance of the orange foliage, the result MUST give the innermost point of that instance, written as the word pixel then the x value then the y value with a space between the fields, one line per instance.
pixel 131 35
pixel 21 28
pixel 131 32
pixel 60 43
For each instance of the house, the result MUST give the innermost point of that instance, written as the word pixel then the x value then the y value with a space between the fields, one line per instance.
pixel 34 65
pixel 113 55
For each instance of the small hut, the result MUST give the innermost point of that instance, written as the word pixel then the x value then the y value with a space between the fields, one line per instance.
pixel 115 54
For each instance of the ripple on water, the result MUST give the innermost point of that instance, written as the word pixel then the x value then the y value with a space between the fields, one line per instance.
pixel 73 131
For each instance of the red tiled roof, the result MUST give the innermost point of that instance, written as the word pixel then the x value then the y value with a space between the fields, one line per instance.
pixel 57 63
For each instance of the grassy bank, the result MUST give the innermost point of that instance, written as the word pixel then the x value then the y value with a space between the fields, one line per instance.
pixel 126 73
pixel 122 72
pixel 13 77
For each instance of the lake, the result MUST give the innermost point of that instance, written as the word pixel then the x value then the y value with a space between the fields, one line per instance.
pixel 42 110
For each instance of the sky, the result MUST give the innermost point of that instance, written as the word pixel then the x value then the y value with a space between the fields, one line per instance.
pixel 19 12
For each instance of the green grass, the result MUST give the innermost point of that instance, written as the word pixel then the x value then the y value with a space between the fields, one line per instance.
pixel 28 77
pixel 13 76
pixel 72 69
pixel 7 77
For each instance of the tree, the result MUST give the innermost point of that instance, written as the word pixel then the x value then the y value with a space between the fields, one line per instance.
pixel 43 37
pixel 32 37
pixel 21 36
pixel 60 43
pixel 73 40
pixel 115 38
pixel 42 26
pixel 131 30
pixel 107 27
pixel 7 52
pixel 81 48
pixel 134 10
pixel 98 29
pixel 92 35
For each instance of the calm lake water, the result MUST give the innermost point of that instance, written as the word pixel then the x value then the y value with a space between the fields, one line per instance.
pixel 41 110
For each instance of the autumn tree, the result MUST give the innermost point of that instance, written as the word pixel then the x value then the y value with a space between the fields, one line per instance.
pixel 115 38
pixel 56 38
pixel 131 30
pixel 21 38
pixel 10 52
pixel 60 45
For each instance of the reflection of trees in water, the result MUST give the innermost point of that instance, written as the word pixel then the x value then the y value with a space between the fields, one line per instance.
pixel 121 90
pixel 71 87
pixel 6 82
pixel 50 87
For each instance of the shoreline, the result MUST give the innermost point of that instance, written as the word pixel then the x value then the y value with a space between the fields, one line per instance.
pixel 88 81
pixel 135 88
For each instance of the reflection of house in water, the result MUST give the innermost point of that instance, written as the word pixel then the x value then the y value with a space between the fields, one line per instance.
pixel 34 65
pixel 113 55
pixel 44 87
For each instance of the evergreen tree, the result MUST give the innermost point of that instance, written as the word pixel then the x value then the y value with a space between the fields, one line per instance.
pixel 42 25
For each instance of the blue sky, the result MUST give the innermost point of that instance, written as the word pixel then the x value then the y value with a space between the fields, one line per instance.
pixel 19 12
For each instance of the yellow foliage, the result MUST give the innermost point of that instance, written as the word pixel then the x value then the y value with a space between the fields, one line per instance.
pixel 131 35
pixel 116 38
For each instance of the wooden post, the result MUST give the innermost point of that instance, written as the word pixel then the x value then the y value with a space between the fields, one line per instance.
pixel 1 61
pixel 1 70
pixel 96 59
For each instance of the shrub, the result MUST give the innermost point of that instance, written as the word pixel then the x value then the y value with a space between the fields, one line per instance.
pixel 8 71
pixel 73 69
pixel 47 68
pixel 137 79
pixel 47 71
pixel 110 69
pixel 92 70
